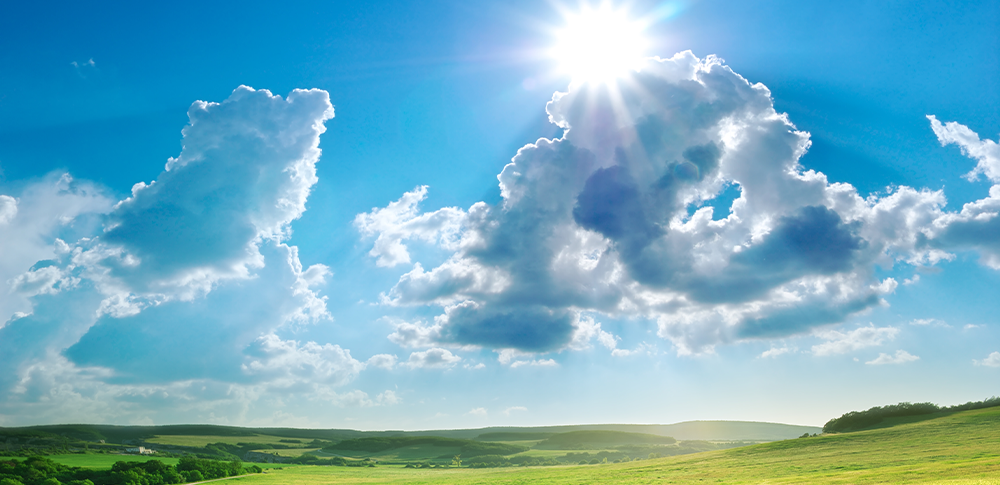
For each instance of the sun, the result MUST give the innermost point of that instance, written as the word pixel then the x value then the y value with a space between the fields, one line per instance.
pixel 598 44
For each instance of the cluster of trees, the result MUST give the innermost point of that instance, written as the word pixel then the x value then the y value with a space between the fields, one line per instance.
pixel 38 470
pixel 467 448
pixel 856 420
pixel 513 436
pixel 15 442
pixel 310 459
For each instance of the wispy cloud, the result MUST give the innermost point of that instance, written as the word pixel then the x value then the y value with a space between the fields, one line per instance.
pixel 923 322
pixel 536 363
pixel 901 357
pixel 775 352
pixel 860 338
pixel 514 409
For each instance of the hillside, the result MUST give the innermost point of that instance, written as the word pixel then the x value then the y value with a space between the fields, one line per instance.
pixel 958 449
pixel 579 440
pixel 687 430
pixel 690 430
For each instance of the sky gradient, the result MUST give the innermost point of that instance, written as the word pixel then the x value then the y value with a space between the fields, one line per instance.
pixel 403 215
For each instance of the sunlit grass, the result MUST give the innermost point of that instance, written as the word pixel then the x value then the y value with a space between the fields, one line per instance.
pixel 100 461
pixel 961 449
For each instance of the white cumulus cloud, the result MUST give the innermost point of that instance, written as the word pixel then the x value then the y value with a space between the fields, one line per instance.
pixel 432 358
pixel 992 360
pixel 616 218
pixel 384 361
pixel 191 268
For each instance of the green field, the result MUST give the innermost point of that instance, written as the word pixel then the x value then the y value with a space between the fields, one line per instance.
pixel 961 448
pixel 101 461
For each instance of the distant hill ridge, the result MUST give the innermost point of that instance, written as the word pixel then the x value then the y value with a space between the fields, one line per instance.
pixel 689 430
pixel 600 439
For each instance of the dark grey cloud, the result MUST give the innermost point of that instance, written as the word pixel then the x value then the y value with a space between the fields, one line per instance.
pixel 533 329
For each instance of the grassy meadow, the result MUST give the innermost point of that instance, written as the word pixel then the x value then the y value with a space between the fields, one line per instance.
pixel 98 461
pixel 961 448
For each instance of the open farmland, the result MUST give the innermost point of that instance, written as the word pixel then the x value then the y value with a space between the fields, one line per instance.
pixel 961 448
pixel 99 461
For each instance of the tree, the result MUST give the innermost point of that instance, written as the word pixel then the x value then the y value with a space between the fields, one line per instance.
pixel 192 476
pixel 457 461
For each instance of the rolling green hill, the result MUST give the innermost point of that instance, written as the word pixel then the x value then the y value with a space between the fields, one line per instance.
pixel 75 435
pixel 581 440
pixel 961 448
pixel 688 430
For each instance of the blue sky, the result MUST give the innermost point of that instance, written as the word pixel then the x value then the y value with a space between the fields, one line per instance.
pixel 441 228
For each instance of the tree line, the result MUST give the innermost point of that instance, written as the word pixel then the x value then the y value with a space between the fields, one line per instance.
pixel 38 470
pixel 857 420
pixel 468 448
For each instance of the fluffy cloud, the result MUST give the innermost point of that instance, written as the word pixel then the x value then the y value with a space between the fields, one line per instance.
pixel 901 357
pixel 286 362
pixel 190 269
pixel 977 226
pixel 31 225
pixel 384 361
pixel 992 360
pixel 432 358
pixel 860 338
pixel 244 174
pixel 515 358
pixel 986 152
pixel 627 215
pixel 8 208
pixel 401 220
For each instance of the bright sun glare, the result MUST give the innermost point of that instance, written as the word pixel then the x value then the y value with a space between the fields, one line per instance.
pixel 598 45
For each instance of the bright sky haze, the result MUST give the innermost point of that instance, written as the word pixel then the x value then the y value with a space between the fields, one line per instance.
pixel 417 215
